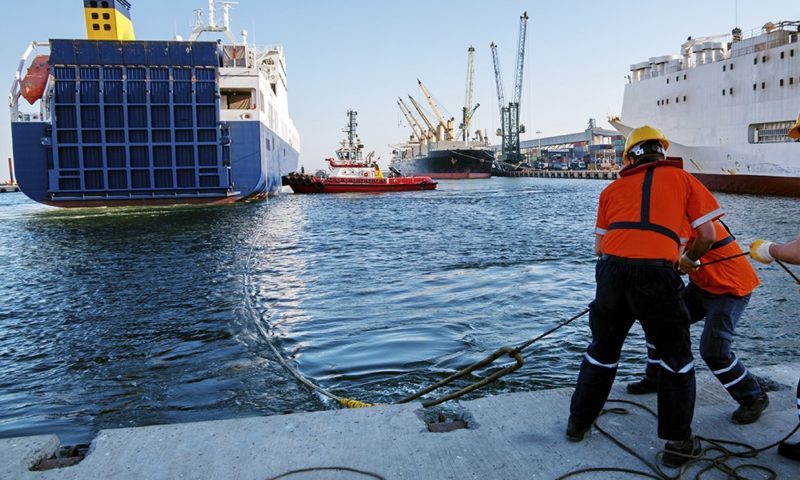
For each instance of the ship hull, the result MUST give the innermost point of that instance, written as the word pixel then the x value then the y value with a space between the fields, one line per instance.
pixel 143 123
pixel 448 164
pixel 726 108
pixel 310 184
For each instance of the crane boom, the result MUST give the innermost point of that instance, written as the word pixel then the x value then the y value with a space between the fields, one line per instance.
pixel 431 128
pixel 412 122
pixel 523 28
pixel 501 98
pixel 446 125
pixel 468 111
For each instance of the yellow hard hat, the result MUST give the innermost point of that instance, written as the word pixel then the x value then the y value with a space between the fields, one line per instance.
pixel 794 132
pixel 640 135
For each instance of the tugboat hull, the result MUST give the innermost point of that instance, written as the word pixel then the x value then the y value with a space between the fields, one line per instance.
pixel 314 184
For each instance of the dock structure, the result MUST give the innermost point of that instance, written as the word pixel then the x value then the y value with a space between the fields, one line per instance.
pixel 9 187
pixel 508 436
pixel 585 174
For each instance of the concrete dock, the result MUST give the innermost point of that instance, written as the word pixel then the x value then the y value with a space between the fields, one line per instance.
pixel 510 436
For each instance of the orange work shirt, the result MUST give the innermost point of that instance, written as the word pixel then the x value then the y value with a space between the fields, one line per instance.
pixel 640 214
pixel 732 277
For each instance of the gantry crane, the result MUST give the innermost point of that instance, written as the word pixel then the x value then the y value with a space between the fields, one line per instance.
pixel 446 125
pixel 509 114
pixel 468 110
pixel 416 129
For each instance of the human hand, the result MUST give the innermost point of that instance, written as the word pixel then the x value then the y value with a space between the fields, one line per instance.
pixel 759 251
pixel 687 265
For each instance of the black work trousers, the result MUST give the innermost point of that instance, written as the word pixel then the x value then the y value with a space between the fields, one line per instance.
pixel 626 292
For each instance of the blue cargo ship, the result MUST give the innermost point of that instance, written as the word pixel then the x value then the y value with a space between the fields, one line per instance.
pixel 116 121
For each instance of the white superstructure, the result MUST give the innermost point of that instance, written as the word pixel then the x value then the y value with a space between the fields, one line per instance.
pixel 726 103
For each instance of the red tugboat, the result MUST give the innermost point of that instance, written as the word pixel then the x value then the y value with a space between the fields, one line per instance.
pixel 350 172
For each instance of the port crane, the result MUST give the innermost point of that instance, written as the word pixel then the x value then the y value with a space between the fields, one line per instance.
pixel 509 114
pixel 446 125
pixel 432 132
pixel 416 130
pixel 468 110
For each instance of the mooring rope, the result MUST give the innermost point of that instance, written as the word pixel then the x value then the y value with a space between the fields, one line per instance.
pixel 719 462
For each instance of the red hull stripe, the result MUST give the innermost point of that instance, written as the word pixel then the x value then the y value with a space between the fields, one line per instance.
pixel 751 184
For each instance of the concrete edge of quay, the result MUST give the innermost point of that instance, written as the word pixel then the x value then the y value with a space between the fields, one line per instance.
pixel 509 436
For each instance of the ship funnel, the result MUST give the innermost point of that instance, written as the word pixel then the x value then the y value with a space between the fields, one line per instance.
pixel 108 20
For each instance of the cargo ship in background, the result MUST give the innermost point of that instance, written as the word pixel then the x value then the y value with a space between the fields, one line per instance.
pixel 726 104
pixel 435 149
pixel 113 121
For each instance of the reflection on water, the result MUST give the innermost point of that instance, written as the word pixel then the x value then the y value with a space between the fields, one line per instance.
pixel 124 317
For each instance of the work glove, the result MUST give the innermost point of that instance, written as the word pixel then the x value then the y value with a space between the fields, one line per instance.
pixel 687 265
pixel 759 251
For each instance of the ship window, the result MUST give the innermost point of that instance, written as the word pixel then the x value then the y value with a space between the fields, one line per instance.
pixel 668 81
pixel 782 54
pixel 730 90
pixel 106 16
pixel 236 99
pixel 93 4
pixel 668 101
pixel 723 68
pixel 106 27
pixel 763 85
pixel 754 86
pixel 781 82
pixel 723 92
pixel 677 78
pixel 791 52
pixel 95 16
pixel 755 60
pixel 677 100
pixel 731 66
pixel 104 4
pixel 791 80
pixel 684 76
pixel 772 132
pixel 764 59
pixel 684 98
pixel 95 26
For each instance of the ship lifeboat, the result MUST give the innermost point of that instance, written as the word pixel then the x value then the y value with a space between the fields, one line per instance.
pixel 35 81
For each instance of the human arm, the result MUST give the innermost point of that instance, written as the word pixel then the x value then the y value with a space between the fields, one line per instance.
pixel 765 251
pixel 705 234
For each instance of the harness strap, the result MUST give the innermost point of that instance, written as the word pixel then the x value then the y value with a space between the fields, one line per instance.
pixel 644 223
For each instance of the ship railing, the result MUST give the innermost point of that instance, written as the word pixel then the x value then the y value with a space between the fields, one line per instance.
pixel 15 93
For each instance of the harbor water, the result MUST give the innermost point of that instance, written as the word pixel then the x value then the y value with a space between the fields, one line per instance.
pixel 124 317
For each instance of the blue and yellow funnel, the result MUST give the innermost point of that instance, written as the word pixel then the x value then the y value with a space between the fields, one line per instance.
pixel 108 20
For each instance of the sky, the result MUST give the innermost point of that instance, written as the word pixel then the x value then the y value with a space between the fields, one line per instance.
pixel 363 54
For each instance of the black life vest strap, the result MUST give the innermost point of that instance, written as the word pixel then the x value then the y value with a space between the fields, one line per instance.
pixel 644 223
pixel 722 243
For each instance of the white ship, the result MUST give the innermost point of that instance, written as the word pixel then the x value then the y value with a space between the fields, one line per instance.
pixel 726 103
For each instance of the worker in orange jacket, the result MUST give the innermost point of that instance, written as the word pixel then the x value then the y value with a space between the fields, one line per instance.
pixel 718 292
pixel 639 220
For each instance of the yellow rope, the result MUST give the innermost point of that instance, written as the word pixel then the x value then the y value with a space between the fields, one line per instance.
pixel 350 403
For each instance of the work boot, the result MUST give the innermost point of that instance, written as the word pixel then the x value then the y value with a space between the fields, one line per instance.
pixel 642 387
pixel 676 453
pixel 575 434
pixel 750 413
pixel 789 450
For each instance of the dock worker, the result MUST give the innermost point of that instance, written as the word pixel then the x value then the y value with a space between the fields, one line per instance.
pixel 718 292
pixel 639 220
pixel 765 251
